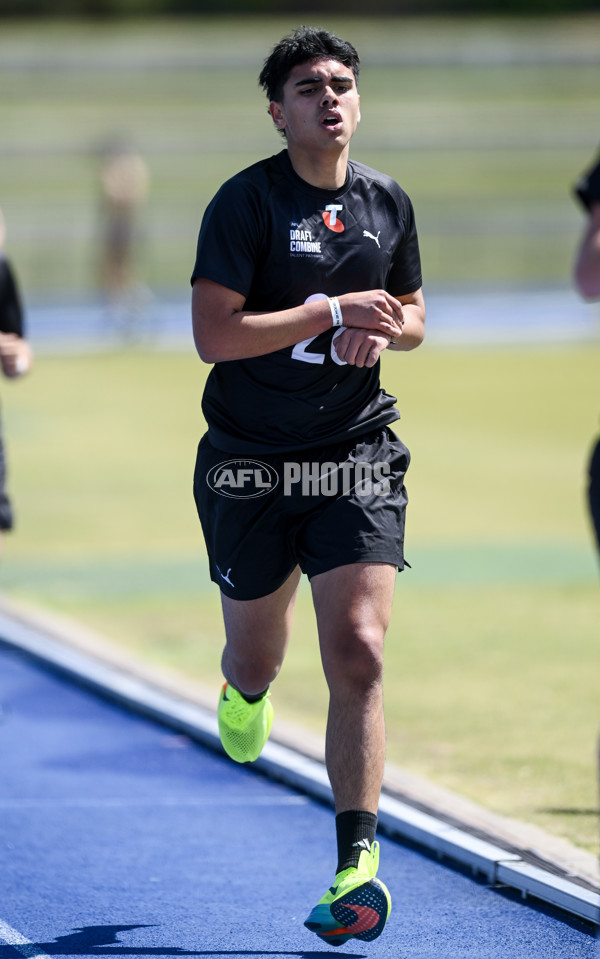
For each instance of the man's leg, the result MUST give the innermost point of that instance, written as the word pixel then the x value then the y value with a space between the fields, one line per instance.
pixel 353 606
pixel 257 634
pixel 257 637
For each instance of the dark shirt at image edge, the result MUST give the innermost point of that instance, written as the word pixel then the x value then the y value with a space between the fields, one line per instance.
pixel 11 310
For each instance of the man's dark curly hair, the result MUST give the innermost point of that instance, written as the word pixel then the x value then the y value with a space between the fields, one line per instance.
pixel 305 43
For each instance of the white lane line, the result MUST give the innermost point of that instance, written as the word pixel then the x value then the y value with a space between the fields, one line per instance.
pixel 20 943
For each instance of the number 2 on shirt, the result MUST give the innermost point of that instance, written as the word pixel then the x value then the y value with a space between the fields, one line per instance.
pixel 300 351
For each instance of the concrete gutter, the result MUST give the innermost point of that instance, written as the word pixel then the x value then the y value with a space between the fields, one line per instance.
pixel 506 853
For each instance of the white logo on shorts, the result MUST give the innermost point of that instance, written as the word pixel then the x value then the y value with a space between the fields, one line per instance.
pixel 242 479
pixel 225 576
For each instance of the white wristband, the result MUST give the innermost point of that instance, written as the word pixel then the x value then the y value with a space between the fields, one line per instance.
pixel 336 310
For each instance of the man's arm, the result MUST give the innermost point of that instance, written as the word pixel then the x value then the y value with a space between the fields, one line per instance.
pixel 587 263
pixel 413 328
pixel 224 330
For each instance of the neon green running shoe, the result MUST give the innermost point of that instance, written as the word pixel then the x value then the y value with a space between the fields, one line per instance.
pixel 357 906
pixel 243 727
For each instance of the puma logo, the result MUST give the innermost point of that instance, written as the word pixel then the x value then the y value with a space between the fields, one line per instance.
pixel 371 237
pixel 225 576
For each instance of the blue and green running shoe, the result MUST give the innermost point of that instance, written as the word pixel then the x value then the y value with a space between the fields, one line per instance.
pixel 243 727
pixel 356 906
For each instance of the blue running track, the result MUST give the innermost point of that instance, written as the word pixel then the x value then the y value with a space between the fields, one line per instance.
pixel 120 838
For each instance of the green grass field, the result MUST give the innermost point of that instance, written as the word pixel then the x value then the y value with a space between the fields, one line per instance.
pixel 492 656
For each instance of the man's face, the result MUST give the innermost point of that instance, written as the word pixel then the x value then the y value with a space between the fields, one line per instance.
pixel 319 109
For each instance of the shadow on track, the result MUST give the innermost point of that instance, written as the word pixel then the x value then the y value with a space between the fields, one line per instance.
pixel 92 940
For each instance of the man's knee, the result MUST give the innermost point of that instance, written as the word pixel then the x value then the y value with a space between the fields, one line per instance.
pixel 249 674
pixel 354 659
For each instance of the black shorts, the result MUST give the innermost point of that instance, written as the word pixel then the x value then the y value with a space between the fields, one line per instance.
pixel 6 512
pixel 321 508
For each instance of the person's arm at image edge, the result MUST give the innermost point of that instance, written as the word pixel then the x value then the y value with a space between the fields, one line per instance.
pixel 587 263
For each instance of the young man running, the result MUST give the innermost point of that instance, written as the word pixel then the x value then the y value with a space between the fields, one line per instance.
pixel 307 269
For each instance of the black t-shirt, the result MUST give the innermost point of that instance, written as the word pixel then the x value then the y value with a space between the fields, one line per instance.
pixel 278 241
pixel 587 188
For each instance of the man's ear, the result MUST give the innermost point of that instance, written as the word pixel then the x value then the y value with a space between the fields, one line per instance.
pixel 277 114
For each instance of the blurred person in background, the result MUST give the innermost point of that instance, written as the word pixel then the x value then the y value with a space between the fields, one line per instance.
pixel 124 183
pixel 587 279
pixel 15 355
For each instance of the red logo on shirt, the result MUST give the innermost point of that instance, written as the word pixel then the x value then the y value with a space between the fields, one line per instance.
pixel 330 216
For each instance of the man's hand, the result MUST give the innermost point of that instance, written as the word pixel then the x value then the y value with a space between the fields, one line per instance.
pixel 375 320
pixel 374 310
pixel 359 347
pixel 15 355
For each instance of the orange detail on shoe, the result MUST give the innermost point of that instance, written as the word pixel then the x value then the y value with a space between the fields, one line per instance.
pixel 366 919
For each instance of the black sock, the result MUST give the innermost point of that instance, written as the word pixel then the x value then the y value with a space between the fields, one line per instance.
pixel 355 830
pixel 256 698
